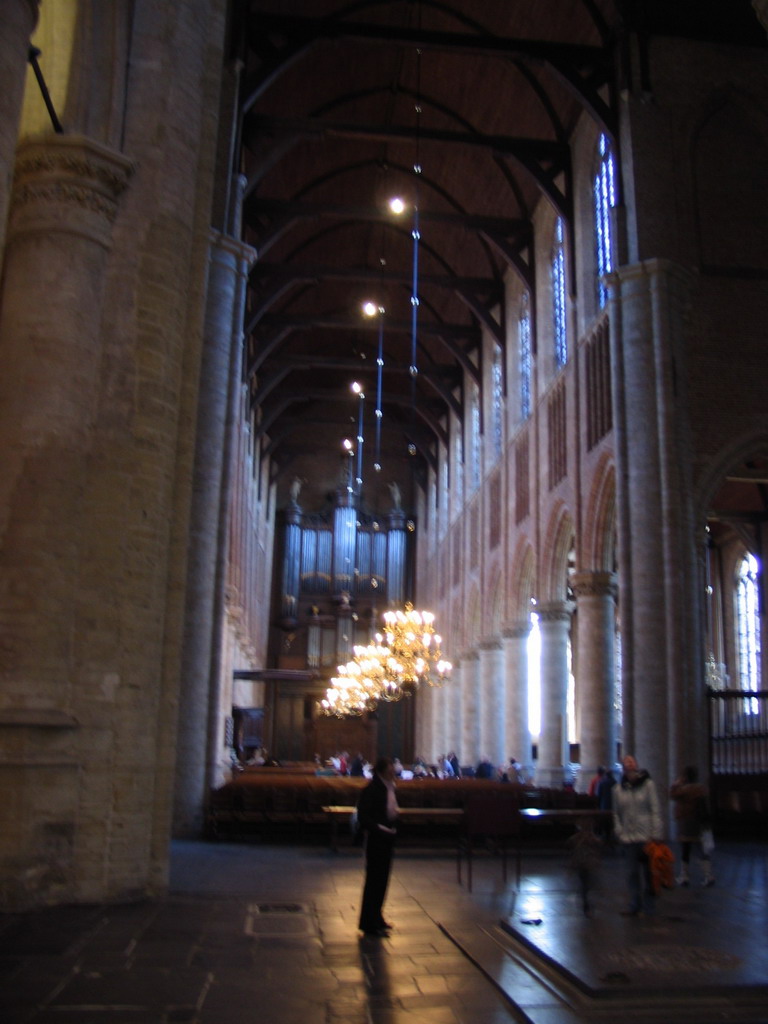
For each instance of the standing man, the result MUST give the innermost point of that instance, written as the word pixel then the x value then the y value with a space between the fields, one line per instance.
pixel 636 821
pixel 376 815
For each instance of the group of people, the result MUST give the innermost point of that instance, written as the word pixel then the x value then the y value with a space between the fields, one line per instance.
pixel 638 828
pixel 445 766
pixel 636 819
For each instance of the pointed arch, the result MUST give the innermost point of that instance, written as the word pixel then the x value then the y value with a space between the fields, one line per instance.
pixel 523 581
pixel 473 618
pixel 739 450
pixel 494 604
pixel 598 548
pixel 558 543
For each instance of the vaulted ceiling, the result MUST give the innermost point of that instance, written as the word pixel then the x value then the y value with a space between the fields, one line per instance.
pixel 464 109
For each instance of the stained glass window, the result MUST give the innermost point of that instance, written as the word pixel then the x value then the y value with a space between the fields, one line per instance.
pixel 497 391
pixel 604 200
pixel 525 353
pixel 558 295
pixel 748 626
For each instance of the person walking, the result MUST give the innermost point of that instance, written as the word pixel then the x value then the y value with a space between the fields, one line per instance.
pixel 692 822
pixel 585 848
pixel 376 816
pixel 636 821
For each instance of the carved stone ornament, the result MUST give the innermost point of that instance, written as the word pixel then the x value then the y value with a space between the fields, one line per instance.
pixel 67 183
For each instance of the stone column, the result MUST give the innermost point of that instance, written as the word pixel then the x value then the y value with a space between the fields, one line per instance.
pixel 56 694
pixel 517 736
pixel 554 624
pixel 596 678
pixel 18 19
pixel 435 743
pixel 469 748
pixel 59 235
pixel 453 691
pixel 229 263
pixel 661 610
pixel 492 701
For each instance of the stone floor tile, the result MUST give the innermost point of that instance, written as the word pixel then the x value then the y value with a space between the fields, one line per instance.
pixel 427 973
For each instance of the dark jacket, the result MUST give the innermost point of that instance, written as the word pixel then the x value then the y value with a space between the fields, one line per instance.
pixel 691 809
pixel 372 806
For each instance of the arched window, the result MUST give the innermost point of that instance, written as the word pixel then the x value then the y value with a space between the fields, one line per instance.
pixel 525 355
pixel 474 436
pixel 497 392
pixel 748 627
pixel 604 190
pixel 558 295
pixel 457 485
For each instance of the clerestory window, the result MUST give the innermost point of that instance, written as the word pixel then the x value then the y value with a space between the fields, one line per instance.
pixel 558 295
pixel 525 356
pixel 604 194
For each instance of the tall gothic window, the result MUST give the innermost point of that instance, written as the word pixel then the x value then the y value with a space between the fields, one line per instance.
pixel 458 466
pixel 748 627
pixel 558 295
pixel 525 355
pixel 497 391
pixel 604 190
pixel 474 428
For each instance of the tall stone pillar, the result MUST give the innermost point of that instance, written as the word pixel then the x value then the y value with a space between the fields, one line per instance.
pixel 440 697
pixel 55 695
pixel 517 736
pixel 441 700
pixel 453 696
pixel 596 678
pixel 60 232
pixel 554 625
pixel 469 751
pixel 661 606
pixel 229 262
pixel 492 702
pixel 18 19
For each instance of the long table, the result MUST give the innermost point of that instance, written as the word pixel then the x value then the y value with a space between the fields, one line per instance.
pixel 413 815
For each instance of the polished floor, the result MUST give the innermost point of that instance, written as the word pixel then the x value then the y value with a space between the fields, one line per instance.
pixel 255 933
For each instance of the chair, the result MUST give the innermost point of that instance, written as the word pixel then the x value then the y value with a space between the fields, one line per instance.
pixel 492 819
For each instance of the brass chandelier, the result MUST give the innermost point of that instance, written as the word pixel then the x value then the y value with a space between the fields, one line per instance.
pixel 406 655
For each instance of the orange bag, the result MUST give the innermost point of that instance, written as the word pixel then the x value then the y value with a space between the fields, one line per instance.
pixel 662 865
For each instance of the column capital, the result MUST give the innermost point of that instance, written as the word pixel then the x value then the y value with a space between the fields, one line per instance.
pixel 233 246
pixel 517 630
pixel 67 183
pixel 650 270
pixel 554 611
pixel 472 654
pixel 490 644
pixel 588 583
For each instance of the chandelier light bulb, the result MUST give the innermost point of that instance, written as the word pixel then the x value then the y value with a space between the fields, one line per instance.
pixel 405 655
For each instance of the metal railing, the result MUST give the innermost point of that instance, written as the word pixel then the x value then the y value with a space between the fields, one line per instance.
pixel 738 732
